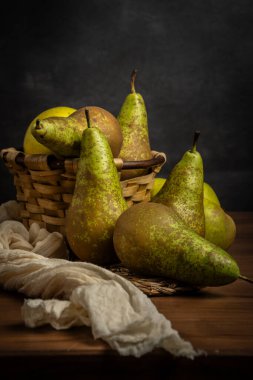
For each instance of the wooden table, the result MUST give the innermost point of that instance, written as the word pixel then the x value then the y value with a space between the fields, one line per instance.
pixel 218 320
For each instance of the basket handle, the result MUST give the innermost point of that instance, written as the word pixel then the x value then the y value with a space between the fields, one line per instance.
pixel 158 159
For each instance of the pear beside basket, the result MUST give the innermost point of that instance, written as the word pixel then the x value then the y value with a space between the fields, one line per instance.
pixel 45 184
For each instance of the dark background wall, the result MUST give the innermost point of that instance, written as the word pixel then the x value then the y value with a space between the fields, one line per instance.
pixel 195 71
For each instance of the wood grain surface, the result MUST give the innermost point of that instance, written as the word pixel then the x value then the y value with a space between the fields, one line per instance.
pixel 218 320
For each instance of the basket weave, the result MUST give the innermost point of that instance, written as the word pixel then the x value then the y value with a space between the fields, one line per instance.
pixel 45 184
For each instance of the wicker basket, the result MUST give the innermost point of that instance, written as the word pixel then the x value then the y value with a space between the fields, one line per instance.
pixel 44 188
pixel 44 184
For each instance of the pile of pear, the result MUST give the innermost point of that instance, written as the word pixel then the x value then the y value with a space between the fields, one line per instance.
pixel 163 237
pixel 179 234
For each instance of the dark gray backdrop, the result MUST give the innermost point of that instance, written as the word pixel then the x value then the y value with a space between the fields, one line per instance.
pixel 195 71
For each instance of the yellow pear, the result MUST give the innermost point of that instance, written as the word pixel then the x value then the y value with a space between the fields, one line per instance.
pixel 30 144
pixel 158 184
pixel 210 194
pixel 220 228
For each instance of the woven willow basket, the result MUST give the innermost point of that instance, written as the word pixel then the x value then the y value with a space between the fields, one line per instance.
pixel 45 184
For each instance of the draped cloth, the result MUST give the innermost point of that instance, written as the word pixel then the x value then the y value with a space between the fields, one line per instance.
pixel 65 293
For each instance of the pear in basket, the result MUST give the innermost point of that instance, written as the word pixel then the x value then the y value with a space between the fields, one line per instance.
pixel 97 200
pixel 183 189
pixel 63 135
pixel 30 144
pixel 133 121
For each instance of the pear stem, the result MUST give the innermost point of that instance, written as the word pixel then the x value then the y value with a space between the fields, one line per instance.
pixel 195 140
pixel 87 117
pixel 133 76
pixel 245 279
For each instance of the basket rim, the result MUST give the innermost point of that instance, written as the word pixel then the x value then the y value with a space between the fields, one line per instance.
pixel 53 162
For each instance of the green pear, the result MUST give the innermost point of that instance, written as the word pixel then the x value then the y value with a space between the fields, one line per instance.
pixel 183 189
pixel 133 121
pixel 97 201
pixel 62 135
pixel 220 228
pixel 151 239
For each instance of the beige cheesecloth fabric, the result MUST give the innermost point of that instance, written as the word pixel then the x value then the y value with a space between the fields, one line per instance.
pixel 65 293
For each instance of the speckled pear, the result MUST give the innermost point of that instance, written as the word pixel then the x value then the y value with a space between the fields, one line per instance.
pixel 183 189
pixel 63 135
pixel 97 201
pixel 151 239
pixel 133 121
